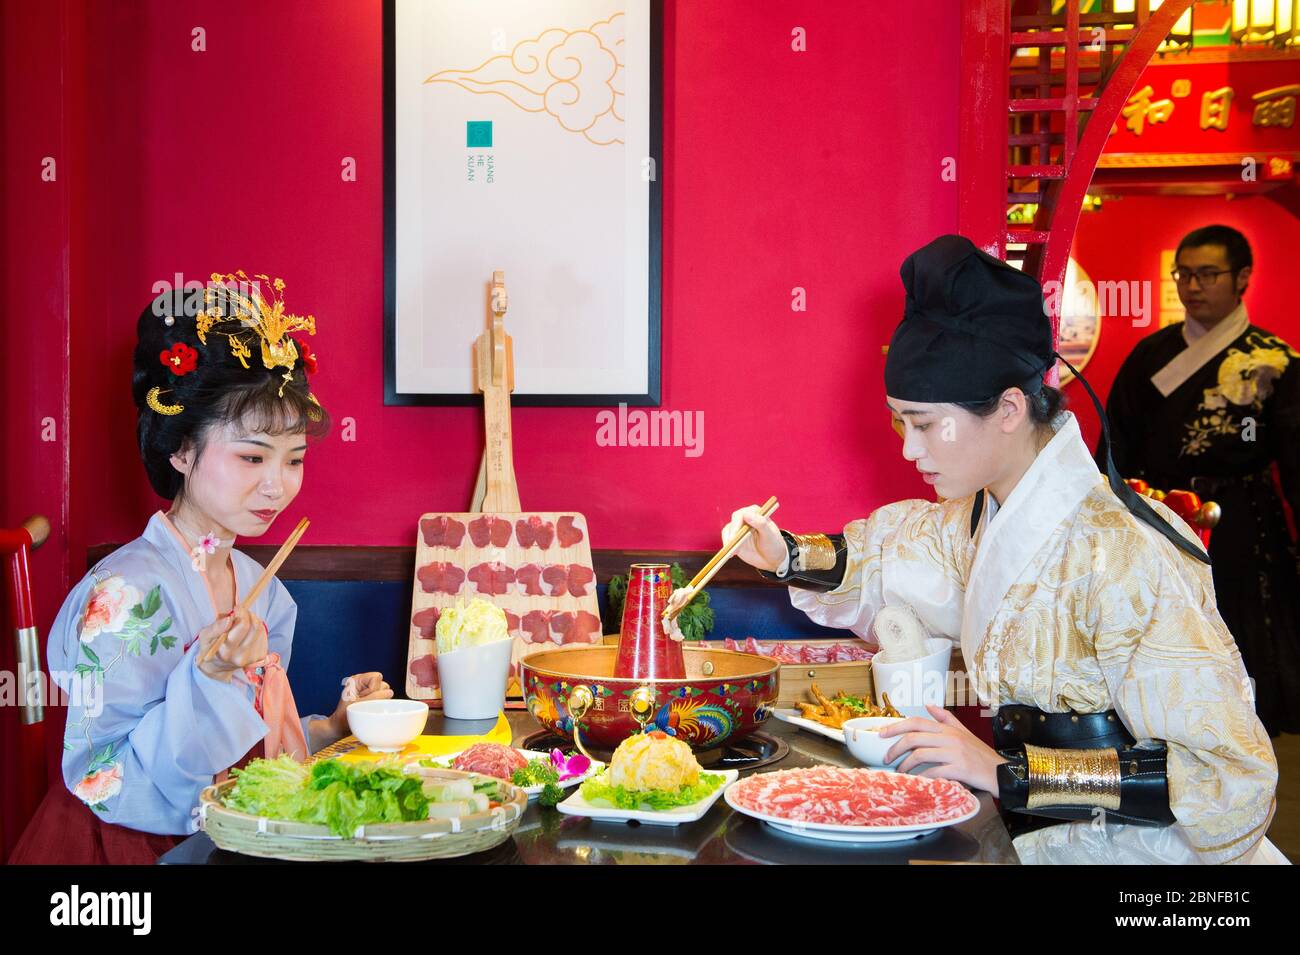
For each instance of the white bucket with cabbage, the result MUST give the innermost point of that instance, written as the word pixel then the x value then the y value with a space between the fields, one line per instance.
pixel 474 648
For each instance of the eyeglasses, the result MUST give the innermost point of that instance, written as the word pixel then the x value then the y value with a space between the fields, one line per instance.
pixel 1204 277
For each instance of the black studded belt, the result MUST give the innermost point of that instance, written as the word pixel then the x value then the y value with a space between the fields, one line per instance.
pixel 1014 725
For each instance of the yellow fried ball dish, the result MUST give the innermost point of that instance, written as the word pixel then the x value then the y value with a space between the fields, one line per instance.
pixel 653 760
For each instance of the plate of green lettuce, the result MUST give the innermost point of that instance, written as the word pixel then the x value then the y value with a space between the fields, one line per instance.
pixel 597 799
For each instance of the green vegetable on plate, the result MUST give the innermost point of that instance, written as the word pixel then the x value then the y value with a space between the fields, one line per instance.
pixel 599 792
pixel 331 793
pixel 538 772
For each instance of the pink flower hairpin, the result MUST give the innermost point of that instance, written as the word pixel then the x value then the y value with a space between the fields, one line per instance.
pixel 207 544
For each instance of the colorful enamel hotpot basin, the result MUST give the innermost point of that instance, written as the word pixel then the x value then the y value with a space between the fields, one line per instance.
pixel 725 696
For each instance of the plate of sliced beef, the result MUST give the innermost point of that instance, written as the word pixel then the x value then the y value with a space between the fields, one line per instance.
pixel 856 805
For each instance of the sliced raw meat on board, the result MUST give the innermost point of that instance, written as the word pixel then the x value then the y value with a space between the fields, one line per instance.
pixel 569 578
pixel 425 670
pixel 534 530
pixel 841 796
pixel 529 579
pixel 568 531
pixel 492 579
pixel 580 578
pixel 533 565
pixel 441 577
pixel 536 626
pixel 575 628
pixel 442 531
pixel 849 652
pixel 426 621
pixel 489 530
pixel 557 578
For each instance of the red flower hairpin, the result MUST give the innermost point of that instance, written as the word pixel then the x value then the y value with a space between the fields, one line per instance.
pixel 180 359
pixel 308 356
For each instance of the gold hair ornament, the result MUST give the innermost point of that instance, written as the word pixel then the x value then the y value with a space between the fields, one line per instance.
pixel 263 321
pixel 151 399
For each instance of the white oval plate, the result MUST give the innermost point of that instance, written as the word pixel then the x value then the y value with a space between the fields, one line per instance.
pixel 821 729
pixel 834 832
pixel 575 805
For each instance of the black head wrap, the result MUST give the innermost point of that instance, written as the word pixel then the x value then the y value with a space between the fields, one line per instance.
pixel 974 326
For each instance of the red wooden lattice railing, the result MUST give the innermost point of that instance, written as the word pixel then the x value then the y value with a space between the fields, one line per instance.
pixel 1033 131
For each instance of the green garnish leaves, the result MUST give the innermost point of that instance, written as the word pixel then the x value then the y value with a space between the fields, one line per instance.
pixel 695 620
pixel 599 792
pixel 539 772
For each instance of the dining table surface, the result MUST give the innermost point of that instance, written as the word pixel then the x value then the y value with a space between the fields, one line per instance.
pixel 723 836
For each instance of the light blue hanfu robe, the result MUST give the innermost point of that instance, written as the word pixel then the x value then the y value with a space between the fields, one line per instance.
pixel 147 730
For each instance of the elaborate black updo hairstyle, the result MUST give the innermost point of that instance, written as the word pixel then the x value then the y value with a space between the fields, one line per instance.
pixel 218 391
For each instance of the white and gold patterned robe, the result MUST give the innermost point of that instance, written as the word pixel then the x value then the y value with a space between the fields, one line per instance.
pixel 1067 602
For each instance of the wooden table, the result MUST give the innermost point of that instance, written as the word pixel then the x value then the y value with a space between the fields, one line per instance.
pixel 545 837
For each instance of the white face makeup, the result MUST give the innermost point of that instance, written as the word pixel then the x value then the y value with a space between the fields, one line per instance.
pixel 242 480
pixel 959 452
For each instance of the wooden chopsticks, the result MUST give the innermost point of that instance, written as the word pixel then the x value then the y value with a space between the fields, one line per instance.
pixel 280 557
pixel 715 563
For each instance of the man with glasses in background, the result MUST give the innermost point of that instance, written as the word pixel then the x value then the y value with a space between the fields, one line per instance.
pixel 1212 405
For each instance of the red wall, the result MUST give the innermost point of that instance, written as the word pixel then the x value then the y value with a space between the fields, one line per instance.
pixel 1123 240
pixel 781 169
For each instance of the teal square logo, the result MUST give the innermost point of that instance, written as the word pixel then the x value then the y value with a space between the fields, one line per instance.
pixel 478 132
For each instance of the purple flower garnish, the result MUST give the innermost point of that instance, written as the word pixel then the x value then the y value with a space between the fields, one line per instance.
pixel 569 766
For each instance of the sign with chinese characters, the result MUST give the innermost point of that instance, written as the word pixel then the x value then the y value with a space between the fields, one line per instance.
pixel 523 136
pixel 1197 108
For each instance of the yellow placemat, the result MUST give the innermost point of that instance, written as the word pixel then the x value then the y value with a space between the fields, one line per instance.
pixel 423 746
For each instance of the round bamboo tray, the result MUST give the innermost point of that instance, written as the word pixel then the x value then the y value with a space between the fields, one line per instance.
pixel 382 842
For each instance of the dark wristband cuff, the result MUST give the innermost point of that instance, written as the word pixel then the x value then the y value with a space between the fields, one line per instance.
pixel 827 579
pixel 1126 785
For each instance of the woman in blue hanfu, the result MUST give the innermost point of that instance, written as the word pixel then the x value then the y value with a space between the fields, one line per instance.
pixel 224 418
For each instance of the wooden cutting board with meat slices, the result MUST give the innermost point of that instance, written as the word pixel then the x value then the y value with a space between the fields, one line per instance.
pixel 534 566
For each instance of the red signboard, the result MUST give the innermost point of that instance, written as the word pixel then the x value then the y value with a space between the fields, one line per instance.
pixel 1196 108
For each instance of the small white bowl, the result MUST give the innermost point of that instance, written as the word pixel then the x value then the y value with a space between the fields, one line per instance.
pixel 386 726
pixel 862 737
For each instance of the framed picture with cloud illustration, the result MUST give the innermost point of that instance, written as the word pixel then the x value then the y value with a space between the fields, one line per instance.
pixel 523 137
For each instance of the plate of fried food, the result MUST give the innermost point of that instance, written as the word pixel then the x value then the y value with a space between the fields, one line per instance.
pixel 652 778
pixel 827 717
